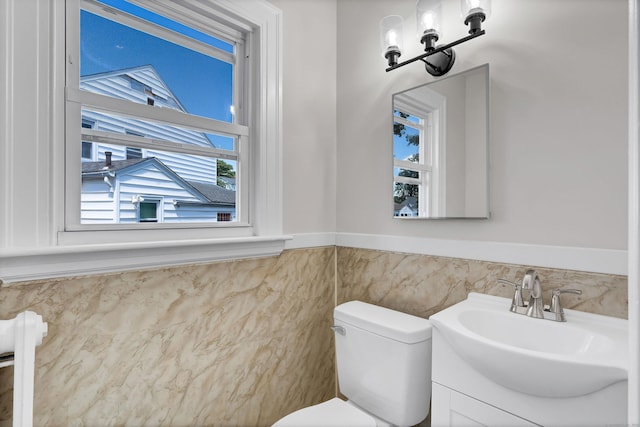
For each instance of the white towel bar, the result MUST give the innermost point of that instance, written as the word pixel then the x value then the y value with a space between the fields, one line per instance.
pixel 21 336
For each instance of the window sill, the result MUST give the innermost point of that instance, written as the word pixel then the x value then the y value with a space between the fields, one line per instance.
pixel 66 261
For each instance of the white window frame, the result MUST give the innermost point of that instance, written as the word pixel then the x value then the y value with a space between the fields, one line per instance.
pixel 431 109
pixel 423 166
pixel 76 99
pixel 159 203
pixel 41 245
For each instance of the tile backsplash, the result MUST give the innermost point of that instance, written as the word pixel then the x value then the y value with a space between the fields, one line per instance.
pixel 423 285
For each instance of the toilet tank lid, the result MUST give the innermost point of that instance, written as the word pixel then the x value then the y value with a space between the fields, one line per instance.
pixel 389 323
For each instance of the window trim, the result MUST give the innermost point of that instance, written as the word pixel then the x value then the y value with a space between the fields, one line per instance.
pixel 47 250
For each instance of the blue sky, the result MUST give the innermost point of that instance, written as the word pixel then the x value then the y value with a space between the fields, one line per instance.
pixel 202 84
pixel 401 147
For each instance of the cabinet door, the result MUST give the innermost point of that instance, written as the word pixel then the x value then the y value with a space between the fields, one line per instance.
pixel 452 409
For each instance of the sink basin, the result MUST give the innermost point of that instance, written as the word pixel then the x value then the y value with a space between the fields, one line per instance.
pixel 539 357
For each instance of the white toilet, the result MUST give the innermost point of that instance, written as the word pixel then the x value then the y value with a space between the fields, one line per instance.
pixel 384 369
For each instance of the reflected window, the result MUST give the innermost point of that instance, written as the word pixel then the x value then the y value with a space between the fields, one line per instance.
pixel 413 162
pixel 440 147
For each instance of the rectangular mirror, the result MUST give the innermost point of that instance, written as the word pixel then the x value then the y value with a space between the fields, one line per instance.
pixel 441 148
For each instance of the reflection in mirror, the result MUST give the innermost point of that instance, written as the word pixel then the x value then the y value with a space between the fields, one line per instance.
pixel 440 148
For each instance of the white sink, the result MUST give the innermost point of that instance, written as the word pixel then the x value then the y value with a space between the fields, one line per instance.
pixel 539 357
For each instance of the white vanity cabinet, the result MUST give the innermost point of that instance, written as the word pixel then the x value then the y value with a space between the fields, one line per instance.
pixel 458 410
pixel 463 396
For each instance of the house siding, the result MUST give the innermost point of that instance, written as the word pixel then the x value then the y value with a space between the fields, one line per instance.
pixel 146 179
pixel 189 167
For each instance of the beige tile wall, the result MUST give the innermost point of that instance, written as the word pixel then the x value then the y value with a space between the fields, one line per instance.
pixel 233 343
pixel 423 285
pixel 237 343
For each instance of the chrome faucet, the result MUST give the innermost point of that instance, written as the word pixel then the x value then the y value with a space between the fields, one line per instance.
pixel 531 282
pixel 535 306
pixel 556 305
pixel 517 302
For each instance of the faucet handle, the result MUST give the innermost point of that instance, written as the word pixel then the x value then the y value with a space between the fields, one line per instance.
pixel 517 300
pixel 556 303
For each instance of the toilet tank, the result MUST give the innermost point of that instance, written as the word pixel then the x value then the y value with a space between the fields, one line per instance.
pixel 384 361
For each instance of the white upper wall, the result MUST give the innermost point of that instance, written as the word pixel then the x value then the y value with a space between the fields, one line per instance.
pixel 558 147
pixel 309 123
pixel 559 122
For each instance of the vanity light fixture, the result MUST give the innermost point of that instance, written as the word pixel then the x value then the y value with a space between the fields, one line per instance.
pixel 438 59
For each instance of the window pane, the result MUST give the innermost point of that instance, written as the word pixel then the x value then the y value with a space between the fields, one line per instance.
pixel 125 63
pixel 406 143
pixel 150 169
pixel 134 153
pixel 148 212
pixel 87 150
pixel 224 216
pixel 186 185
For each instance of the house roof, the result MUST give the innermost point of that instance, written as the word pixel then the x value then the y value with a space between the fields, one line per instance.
pixel 93 168
pixel 410 202
pixel 215 192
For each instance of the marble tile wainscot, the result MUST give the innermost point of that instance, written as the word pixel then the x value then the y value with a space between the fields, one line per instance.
pixel 423 285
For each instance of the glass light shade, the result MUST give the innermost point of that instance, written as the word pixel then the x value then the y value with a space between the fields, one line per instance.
pixel 391 33
pixel 470 7
pixel 429 17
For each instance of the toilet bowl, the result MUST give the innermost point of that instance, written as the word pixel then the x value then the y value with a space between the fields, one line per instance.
pixel 332 413
pixel 384 369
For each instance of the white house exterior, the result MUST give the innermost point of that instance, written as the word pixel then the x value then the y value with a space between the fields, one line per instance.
pixel 120 184
pixel 409 207
pixel 146 190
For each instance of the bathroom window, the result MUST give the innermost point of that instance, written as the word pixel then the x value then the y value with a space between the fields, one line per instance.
pixel 157 88
pixel 246 126
pixel 166 89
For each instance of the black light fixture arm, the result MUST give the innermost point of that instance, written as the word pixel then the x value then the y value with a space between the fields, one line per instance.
pixel 436 50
